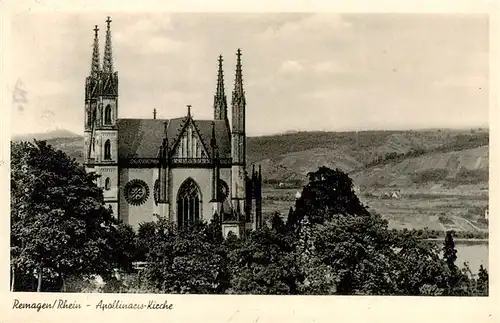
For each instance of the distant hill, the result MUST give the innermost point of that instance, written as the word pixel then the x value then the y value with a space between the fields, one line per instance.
pixel 373 158
pixel 366 155
pixel 54 134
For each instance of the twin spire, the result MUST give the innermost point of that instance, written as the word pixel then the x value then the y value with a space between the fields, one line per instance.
pixel 220 101
pixel 107 66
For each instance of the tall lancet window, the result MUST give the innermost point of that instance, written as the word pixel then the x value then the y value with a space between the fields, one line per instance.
pixel 107 114
pixel 188 203
pixel 107 150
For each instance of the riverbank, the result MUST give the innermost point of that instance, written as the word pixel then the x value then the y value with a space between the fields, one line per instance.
pixel 465 241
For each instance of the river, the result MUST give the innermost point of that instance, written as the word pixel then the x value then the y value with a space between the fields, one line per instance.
pixel 475 253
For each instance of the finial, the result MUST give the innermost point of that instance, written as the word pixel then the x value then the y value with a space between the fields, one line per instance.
pixel 154 113
pixel 189 110
pixel 108 21
pixel 96 30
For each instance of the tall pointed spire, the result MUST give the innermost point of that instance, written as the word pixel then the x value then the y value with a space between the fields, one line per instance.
pixel 107 64
pixel 238 102
pixel 220 102
pixel 238 93
pixel 94 69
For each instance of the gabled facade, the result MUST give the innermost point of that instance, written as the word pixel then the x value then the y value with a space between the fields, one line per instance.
pixel 182 169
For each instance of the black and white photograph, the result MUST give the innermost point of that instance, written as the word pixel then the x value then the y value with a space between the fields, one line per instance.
pixel 300 153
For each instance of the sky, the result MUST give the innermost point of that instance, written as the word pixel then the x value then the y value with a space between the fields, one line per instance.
pixel 302 72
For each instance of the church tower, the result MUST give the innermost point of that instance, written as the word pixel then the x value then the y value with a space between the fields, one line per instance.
pixel 238 142
pixel 101 114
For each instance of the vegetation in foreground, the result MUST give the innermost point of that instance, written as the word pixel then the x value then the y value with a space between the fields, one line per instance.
pixel 62 236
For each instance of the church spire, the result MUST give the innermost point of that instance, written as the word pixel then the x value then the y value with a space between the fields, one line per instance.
pixel 94 69
pixel 220 102
pixel 238 101
pixel 238 93
pixel 108 52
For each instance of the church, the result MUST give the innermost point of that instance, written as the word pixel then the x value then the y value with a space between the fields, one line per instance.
pixel 181 169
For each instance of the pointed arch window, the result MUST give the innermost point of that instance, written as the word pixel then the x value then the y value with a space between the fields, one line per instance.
pixel 107 114
pixel 107 184
pixel 107 150
pixel 188 204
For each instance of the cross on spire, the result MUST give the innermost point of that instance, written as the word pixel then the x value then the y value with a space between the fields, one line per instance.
pixel 154 113
pixel 108 21
pixel 96 30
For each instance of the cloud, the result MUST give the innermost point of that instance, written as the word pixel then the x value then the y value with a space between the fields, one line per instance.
pixel 312 24
pixel 291 67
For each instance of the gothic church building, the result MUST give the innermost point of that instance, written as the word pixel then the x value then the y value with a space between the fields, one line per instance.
pixel 181 169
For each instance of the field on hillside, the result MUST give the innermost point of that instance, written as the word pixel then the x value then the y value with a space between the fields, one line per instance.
pixel 412 210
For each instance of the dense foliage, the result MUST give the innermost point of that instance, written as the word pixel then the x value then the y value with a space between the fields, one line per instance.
pixel 329 244
pixel 59 225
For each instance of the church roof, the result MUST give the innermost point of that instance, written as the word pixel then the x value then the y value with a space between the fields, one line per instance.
pixel 142 138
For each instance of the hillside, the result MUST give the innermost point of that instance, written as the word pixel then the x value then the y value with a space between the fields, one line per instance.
pixel 50 135
pixel 373 158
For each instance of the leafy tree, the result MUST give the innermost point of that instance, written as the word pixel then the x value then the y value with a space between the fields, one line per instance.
pixel 192 261
pixel 418 267
pixel 328 193
pixel 482 281
pixel 357 251
pixel 264 262
pixel 59 224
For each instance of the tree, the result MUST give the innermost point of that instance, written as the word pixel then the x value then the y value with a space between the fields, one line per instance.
pixel 328 193
pixel 357 251
pixel 482 281
pixel 59 224
pixel 418 267
pixel 449 251
pixel 189 261
pixel 354 251
pixel 264 262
